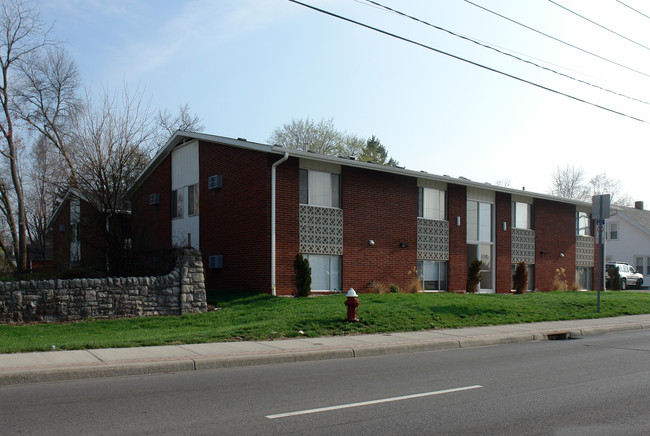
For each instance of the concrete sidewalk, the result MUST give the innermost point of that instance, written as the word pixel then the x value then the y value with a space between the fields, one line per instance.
pixel 52 366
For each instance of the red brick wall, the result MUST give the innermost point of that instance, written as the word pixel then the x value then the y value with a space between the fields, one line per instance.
pixel 503 241
pixel 287 224
pixel 555 233
pixel 61 239
pixel 457 207
pixel 92 236
pixel 381 207
pixel 151 224
pixel 235 220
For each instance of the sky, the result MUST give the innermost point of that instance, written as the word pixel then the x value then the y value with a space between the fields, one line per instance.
pixel 246 67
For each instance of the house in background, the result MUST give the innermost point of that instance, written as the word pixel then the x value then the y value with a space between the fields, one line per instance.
pixel 85 237
pixel 251 208
pixel 74 229
pixel 627 238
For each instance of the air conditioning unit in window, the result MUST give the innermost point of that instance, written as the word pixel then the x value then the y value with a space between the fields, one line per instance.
pixel 215 182
pixel 154 199
pixel 215 261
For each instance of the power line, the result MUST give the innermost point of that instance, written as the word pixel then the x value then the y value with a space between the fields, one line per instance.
pixel 557 39
pixel 635 10
pixel 377 4
pixel 419 44
pixel 599 25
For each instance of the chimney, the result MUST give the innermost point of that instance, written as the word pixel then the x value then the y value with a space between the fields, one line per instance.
pixel 638 205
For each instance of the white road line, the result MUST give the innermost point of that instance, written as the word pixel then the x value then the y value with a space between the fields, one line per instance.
pixel 367 403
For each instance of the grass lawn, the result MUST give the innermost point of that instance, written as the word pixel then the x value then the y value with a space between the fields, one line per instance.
pixel 242 317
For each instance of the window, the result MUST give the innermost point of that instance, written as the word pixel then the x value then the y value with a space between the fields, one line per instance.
pixel 318 188
pixel 432 204
pixel 325 272
pixel 584 278
pixel 613 231
pixel 479 221
pixel 193 200
pixel 639 264
pixel 530 269
pixel 479 239
pixel 522 215
pixel 583 224
pixel 433 275
pixel 177 203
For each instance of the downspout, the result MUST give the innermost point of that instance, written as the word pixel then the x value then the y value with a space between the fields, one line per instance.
pixel 273 176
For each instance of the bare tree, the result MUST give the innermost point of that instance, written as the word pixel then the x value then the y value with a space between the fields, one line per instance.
pixel 48 183
pixel 21 35
pixel 601 184
pixel 113 143
pixel 184 120
pixel 48 99
pixel 568 182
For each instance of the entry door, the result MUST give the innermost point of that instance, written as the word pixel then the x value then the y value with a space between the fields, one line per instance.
pixel 482 252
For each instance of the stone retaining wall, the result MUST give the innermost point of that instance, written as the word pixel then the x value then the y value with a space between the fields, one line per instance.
pixel 181 291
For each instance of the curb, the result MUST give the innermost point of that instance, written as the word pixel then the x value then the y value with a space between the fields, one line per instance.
pixel 198 363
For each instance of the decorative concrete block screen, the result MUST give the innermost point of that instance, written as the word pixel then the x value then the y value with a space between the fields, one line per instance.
pixel 179 292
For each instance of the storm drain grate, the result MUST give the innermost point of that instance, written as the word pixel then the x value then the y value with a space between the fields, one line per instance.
pixel 558 336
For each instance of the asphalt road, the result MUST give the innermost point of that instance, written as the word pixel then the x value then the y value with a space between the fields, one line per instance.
pixel 598 385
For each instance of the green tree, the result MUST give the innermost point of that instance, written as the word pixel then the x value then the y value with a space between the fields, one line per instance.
pixel 303 275
pixel 520 278
pixel 375 152
pixel 474 276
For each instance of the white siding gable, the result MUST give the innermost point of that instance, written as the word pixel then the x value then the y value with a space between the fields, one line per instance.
pixel 185 172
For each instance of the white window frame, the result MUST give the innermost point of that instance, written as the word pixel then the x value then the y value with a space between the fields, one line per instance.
pixel 177 203
pixel 642 266
pixel 423 267
pixel 193 200
pixel 311 193
pixel 612 235
pixel 583 223
pixel 432 204
pixel 517 208
pixel 530 270
pixel 482 241
pixel 333 272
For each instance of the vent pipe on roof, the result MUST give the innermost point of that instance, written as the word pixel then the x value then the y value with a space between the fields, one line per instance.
pixel 638 205
pixel 273 171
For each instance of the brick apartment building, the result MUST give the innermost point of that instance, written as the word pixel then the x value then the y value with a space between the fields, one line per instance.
pixel 250 208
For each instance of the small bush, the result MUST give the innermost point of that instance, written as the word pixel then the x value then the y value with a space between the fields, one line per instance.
pixel 474 276
pixel 379 287
pixel 520 279
pixel 615 279
pixel 415 281
pixel 303 276
pixel 559 280
pixel 394 289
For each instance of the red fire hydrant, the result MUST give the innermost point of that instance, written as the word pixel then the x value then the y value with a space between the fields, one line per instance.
pixel 352 302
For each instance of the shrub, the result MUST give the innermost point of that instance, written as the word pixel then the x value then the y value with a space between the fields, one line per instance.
pixel 615 279
pixel 303 276
pixel 378 287
pixel 520 279
pixel 394 289
pixel 559 280
pixel 474 276
pixel 415 282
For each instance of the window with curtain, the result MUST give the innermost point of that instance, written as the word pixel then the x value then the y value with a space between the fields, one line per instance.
pixel 193 199
pixel 318 188
pixel 432 204
pixel 522 215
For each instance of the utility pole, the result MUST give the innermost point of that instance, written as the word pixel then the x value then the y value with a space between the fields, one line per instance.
pixel 600 212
